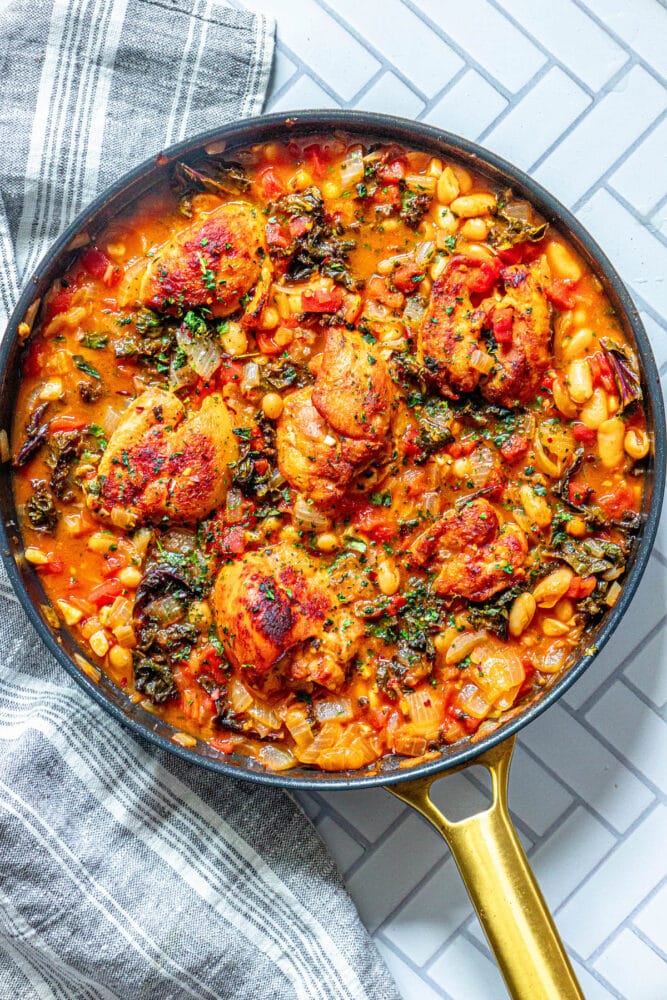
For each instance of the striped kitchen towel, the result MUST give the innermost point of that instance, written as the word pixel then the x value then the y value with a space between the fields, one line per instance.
pixel 124 872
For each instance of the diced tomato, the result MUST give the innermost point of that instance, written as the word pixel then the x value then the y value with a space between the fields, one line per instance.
pixel 99 266
pixel 529 673
pixel 112 563
pixel 231 541
pixel 377 718
pixel 581 586
pixel 322 300
pixel 53 567
pixel 229 371
pixel 514 448
pixel 210 658
pixel 298 226
pixel 482 274
pixel 378 289
pixel 60 302
pixel 376 522
pixel 407 278
pixel 578 493
pixel 388 195
pixel 66 422
pixel 266 343
pixel 601 371
pixel 410 441
pixel 503 322
pixel 461 449
pixel 391 172
pixel 224 745
pixel 105 593
pixel 270 184
pixel 276 237
pixel 619 500
pixel 395 604
pixel 317 159
pixel 205 387
pixel 34 358
pixel 561 293
pixel 522 253
pixel 583 433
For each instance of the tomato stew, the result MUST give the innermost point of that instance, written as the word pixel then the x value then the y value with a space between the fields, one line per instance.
pixel 329 453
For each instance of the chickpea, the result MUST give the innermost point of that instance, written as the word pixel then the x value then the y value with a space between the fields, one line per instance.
pixel 120 658
pixel 234 340
pixel 327 541
pixel 130 576
pixel 272 405
pixel 576 527
pixel 269 319
pixel 199 615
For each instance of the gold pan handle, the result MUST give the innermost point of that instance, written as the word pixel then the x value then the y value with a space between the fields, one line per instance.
pixel 502 887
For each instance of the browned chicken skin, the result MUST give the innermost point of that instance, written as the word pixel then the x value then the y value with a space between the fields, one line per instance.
pixel 161 463
pixel 475 557
pixel 328 434
pixel 214 262
pixel 269 604
pixel 521 364
pixel 452 329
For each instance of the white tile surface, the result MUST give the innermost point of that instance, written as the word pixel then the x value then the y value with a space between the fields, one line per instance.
pixel 572 37
pixel 520 73
pixel 488 38
pixel 468 107
pixel 526 132
pixel 633 968
pixel 612 125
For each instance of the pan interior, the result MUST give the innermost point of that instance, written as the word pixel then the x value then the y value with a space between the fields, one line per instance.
pixel 381 128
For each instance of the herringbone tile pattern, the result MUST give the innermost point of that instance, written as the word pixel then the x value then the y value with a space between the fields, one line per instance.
pixel 574 92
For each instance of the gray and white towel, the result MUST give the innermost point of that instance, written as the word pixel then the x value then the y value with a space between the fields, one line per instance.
pixel 124 872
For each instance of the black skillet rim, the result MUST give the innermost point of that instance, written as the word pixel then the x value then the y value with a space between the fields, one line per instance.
pixel 274 127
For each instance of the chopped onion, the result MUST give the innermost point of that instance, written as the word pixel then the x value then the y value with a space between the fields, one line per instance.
pixel 178 377
pixel 424 251
pixel 482 361
pixel 420 183
pixel 239 696
pixel 481 466
pixel 296 720
pixel 473 702
pixel 376 311
pixel 262 713
pixel 165 610
pixel 500 669
pixel 425 711
pixel 352 167
pixel 234 508
pixel 120 613
pixel 276 758
pixel 250 377
pixel 333 708
pixel 409 745
pixel 204 356
pixel 309 515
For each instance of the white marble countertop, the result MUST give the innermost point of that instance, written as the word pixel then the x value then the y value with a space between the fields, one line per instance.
pixel 574 92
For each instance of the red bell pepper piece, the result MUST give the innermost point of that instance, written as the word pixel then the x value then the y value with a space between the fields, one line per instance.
pixel 105 593
pixel 561 293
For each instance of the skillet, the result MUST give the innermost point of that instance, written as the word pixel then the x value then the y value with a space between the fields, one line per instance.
pixel 486 849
